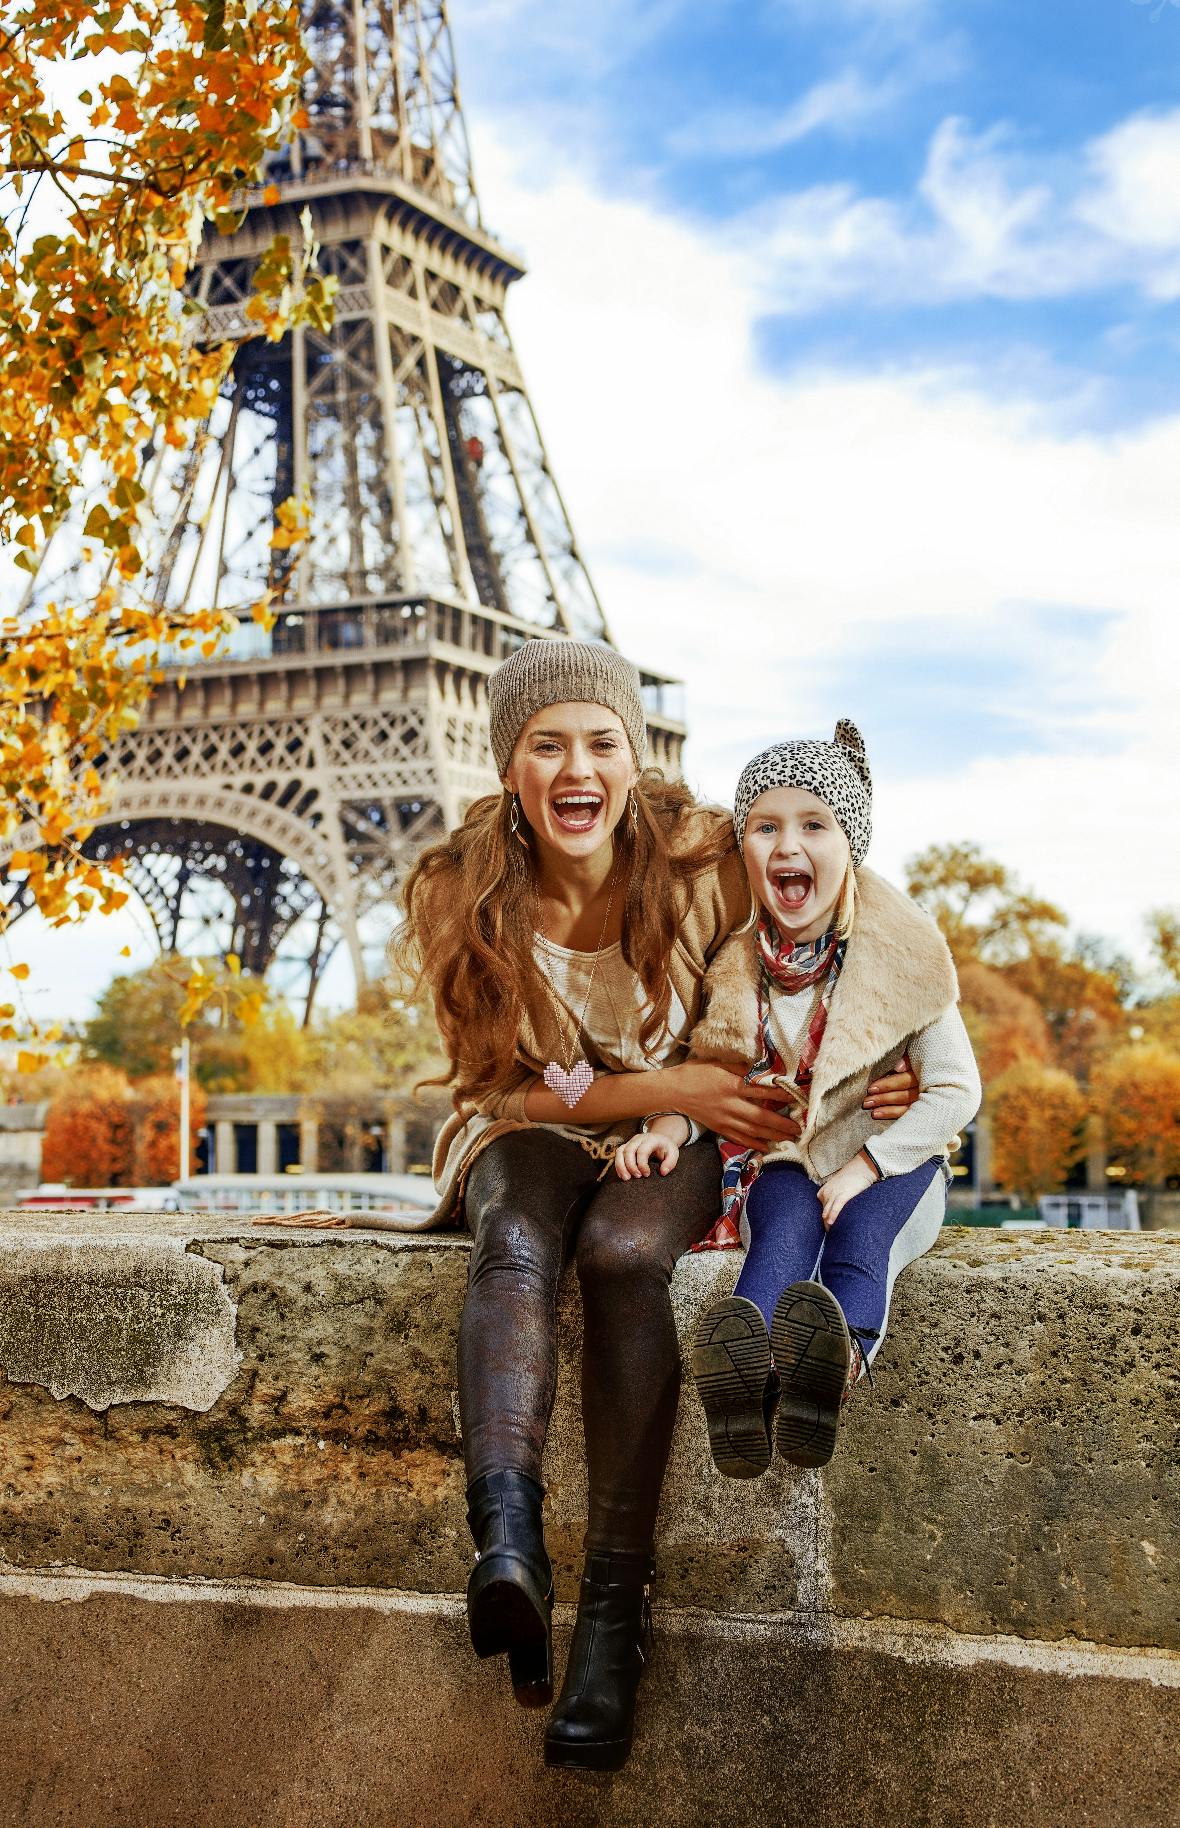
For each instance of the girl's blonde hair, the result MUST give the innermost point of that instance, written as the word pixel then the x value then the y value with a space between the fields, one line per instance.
pixel 471 917
pixel 846 906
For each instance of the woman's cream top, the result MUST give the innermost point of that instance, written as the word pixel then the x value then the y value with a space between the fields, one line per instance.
pixel 615 1003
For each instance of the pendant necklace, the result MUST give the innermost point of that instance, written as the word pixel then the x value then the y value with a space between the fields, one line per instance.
pixel 577 1076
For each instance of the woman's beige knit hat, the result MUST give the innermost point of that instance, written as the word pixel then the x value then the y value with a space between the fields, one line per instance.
pixel 559 672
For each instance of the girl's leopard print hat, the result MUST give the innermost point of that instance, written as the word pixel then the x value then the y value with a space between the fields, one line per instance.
pixel 836 773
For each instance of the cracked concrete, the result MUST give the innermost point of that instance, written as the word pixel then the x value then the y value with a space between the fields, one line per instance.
pixel 115 1320
pixel 1016 1471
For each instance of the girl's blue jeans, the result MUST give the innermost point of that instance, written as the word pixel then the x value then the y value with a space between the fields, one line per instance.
pixel 858 1260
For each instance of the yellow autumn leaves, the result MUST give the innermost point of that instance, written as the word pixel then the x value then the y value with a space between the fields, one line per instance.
pixel 99 364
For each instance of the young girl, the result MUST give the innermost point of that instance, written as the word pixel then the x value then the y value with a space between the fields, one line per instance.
pixel 840 975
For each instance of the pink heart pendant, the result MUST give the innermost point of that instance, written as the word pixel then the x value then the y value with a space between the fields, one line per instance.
pixel 569 1086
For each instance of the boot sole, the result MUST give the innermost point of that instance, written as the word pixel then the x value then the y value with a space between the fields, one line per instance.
pixel 605 1755
pixel 812 1348
pixel 505 1619
pixel 730 1366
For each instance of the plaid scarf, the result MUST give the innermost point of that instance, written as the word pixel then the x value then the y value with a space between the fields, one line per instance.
pixel 791 968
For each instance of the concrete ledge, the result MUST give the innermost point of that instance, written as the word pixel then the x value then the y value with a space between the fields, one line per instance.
pixel 239 1450
pixel 1016 1471
pixel 156 1702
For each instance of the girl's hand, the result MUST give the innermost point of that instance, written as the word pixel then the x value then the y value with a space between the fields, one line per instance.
pixel 892 1095
pixel 722 1101
pixel 853 1178
pixel 633 1158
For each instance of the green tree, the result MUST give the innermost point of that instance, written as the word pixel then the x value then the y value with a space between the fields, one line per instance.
pixel 139 1021
pixel 380 1045
pixel 383 1044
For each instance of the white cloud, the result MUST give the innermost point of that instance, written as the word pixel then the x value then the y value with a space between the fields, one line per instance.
pixel 840 104
pixel 1134 199
pixel 757 536
pixel 987 219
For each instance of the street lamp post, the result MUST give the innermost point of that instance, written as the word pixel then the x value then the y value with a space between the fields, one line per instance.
pixel 182 1073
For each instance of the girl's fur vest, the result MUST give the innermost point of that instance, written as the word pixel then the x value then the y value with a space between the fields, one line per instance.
pixel 897 993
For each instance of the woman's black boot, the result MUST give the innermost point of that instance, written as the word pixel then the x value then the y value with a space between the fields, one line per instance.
pixel 510 1593
pixel 593 1722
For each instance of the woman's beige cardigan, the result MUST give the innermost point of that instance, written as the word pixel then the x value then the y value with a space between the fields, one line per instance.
pixel 715 903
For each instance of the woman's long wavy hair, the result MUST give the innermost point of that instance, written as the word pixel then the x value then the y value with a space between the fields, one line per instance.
pixel 471 907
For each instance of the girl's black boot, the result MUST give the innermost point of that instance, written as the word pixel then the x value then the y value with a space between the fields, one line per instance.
pixel 593 1722
pixel 510 1593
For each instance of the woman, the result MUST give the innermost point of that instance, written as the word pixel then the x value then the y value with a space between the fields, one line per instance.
pixel 563 931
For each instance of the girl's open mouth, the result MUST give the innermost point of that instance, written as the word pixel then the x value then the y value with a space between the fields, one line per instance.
pixel 576 812
pixel 792 888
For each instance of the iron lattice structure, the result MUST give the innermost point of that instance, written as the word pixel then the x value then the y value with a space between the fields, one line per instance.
pixel 272 799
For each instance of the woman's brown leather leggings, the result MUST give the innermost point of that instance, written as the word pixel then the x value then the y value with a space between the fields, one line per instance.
pixel 534 1199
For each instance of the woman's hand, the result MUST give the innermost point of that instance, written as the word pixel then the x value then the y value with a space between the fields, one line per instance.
pixel 892 1095
pixel 633 1158
pixel 722 1101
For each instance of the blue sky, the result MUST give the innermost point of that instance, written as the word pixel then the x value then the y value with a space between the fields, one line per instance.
pixel 853 328
pixel 851 113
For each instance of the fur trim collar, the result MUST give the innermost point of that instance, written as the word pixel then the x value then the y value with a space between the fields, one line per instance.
pixel 897 978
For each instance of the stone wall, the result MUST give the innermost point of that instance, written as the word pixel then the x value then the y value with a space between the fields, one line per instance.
pixel 22 1127
pixel 236 1451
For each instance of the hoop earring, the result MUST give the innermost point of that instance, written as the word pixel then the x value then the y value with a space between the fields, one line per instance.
pixel 514 823
pixel 633 811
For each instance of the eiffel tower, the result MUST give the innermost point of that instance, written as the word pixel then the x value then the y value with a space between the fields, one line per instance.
pixel 272 798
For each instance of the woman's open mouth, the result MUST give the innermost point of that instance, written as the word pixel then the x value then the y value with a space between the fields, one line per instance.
pixel 576 812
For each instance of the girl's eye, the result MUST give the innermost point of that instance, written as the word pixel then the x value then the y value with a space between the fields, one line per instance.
pixel 606 745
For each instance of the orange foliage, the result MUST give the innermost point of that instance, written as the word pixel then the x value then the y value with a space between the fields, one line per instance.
pixel 156 1125
pixel 101 1132
pixel 1082 1005
pixel 88 1132
pixel 1037 1117
pixel 1005 1024
pixel 1137 1092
